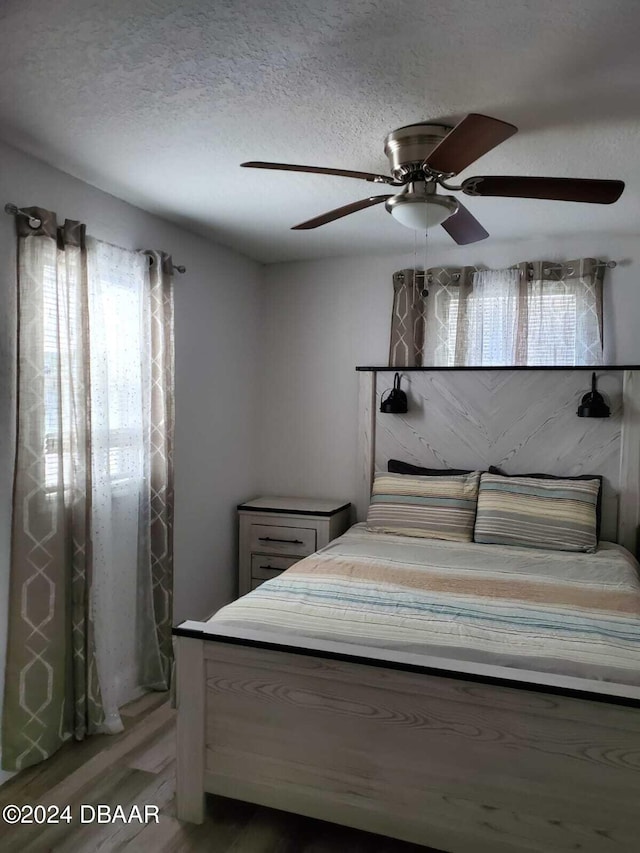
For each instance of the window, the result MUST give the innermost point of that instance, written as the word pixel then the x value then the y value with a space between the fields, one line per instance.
pixel 122 407
pixel 552 324
pixel 117 331
pixel 51 360
pixel 498 322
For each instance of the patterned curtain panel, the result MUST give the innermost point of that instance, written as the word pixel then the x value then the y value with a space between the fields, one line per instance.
pixel 448 290
pixel 423 328
pixel 51 683
pixel 155 566
pixel 407 319
pixel 535 313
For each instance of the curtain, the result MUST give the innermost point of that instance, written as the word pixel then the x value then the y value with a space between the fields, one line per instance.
pixel 423 328
pixel 156 548
pixel 131 301
pixel 565 312
pixel 51 681
pixel 492 319
pixel 117 285
pixel 407 323
pixel 91 576
pixel 535 313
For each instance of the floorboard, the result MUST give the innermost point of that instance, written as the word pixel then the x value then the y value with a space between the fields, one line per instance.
pixel 137 767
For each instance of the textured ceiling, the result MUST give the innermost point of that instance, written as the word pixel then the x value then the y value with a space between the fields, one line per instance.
pixel 158 102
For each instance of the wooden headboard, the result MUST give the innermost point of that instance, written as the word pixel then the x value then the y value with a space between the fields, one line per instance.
pixel 521 419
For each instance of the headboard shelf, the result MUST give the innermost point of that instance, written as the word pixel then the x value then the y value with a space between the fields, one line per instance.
pixel 520 419
pixel 390 368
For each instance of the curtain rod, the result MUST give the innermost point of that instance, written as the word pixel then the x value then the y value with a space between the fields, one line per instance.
pixel 34 222
pixel 603 264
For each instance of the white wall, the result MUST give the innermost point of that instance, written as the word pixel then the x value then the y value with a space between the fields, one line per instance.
pixel 217 322
pixel 325 317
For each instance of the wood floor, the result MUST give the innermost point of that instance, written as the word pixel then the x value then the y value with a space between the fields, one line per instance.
pixel 138 767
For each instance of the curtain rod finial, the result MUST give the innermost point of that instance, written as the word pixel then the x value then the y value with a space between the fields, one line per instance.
pixel 14 210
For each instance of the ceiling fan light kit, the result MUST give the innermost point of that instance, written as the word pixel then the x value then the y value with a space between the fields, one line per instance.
pixel 423 157
pixel 420 208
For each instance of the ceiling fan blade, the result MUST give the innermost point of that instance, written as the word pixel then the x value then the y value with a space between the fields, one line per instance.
pixel 557 189
pixel 474 136
pixel 339 212
pixel 320 170
pixel 464 227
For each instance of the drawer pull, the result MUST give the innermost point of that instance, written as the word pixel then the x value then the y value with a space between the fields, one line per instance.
pixel 271 568
pixel 288 541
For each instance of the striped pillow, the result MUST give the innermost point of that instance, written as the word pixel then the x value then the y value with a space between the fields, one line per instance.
pixel 430 507
pixel 555 514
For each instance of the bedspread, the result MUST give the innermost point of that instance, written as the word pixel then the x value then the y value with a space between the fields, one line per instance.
pixel 549 611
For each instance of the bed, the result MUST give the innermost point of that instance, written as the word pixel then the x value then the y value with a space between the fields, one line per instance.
pixel 462 696
pixel 424 600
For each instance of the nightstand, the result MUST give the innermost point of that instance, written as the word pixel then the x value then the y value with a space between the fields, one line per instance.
pixel 277 532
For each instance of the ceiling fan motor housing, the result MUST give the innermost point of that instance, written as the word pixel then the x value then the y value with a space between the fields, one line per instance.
pixel 408 147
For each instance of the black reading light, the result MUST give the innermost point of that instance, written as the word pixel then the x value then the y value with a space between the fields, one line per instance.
pixel 396 402
pixel 593 404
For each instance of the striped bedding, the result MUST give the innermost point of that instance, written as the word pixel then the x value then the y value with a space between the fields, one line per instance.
pixel 546 611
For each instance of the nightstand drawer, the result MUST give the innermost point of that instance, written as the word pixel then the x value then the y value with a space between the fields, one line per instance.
pixel 276 532
pixel 276 539
pixel 268 567
pixel 263 576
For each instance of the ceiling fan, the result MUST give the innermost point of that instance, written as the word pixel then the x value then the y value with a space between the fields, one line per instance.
pixel 426 156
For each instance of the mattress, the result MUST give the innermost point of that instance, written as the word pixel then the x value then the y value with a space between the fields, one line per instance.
pixel 403 598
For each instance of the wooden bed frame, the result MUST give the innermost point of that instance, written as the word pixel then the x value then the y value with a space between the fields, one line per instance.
pixel 461 764
pixel 456 760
